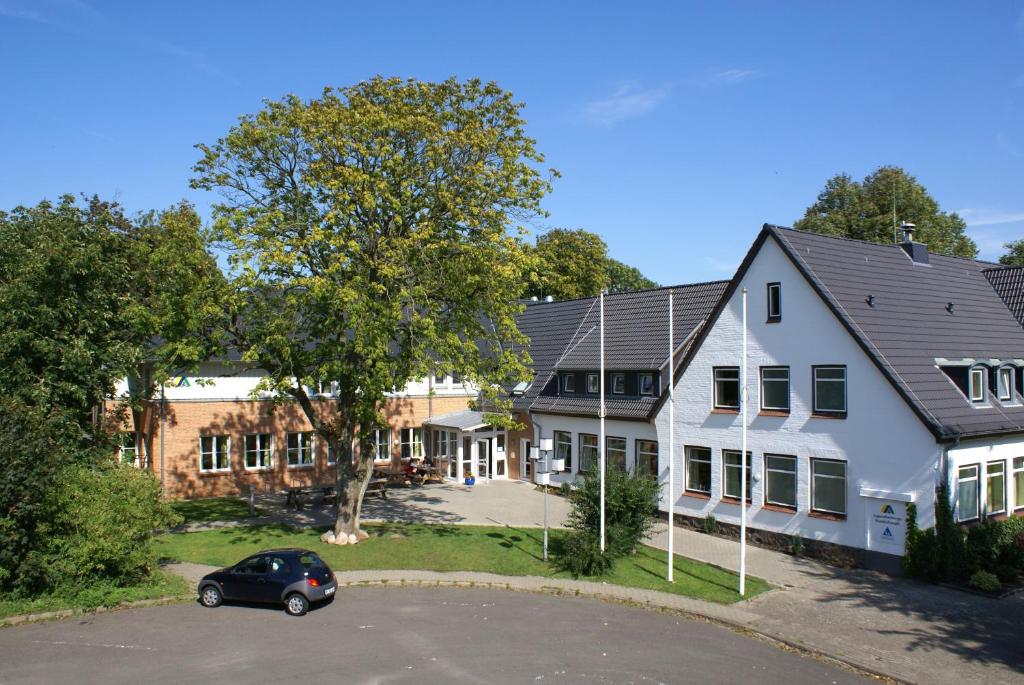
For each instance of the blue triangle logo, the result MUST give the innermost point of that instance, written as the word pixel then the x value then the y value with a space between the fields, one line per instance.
pixel 887 533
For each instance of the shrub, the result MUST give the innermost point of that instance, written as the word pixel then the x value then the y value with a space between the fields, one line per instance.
pixel 710 524
pixel 985 581
pixel 630 501
pixel 796 545
pixel 100 525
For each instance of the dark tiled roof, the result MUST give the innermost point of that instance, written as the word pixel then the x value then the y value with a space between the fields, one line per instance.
pixel 634 408
pixel 549 326
pixel 1008 281
pixel 909 326
pixel 636 327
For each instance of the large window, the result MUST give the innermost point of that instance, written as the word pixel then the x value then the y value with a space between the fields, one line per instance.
pixel 780 480
pixel 569 383
pixel 698 469
pixel 563 448
pixel 588 453
pixel 412 443
pixel 615 452
pixel 300 449
pixel 129 448
pixel 830 390
pixel 647 384
pixel 618 384
pixel 213 453
pixel 1005 383
pixel 828 486
pixel 732 470
pixel 257 451
pixel 774 302
pixel 1018 482
pixel 727 387
pixel 382 444
pixel 647 457
pixel 995 487
pixel 593 384
pixel 978 384
pixel 967 492
pixel 775 388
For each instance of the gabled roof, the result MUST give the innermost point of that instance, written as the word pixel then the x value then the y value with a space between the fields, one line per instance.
pixel 908 325
pixel 1008 282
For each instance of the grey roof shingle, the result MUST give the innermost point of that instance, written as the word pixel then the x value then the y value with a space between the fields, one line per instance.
pixel 549 326
pixel 909 327
pixel 1008 282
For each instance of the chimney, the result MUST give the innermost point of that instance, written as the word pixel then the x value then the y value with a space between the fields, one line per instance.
pixel 918 252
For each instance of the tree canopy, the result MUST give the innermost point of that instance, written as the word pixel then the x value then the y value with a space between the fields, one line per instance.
pixel 1014 253
pixel 575 263
pixel 864 210
pixel 372 238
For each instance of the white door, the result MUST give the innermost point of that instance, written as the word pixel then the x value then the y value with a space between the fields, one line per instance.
pixel 525 462
pixel 499 458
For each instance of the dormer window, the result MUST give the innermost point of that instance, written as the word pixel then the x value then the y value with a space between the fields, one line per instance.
pixel 593 384
pixel 618 383
pixel 977 384
pixel 647 384
pixel 569 383
pixel 774 302
pixel 1005 383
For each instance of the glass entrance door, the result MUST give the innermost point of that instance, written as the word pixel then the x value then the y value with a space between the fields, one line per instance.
pixel 483 448
pixel 525 462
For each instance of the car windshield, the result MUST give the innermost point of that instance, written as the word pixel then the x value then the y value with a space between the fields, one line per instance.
pixel 309 560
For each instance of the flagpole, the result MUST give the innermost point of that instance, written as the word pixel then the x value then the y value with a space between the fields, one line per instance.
pixel 601 438
pixel 671 439
pixel 743 456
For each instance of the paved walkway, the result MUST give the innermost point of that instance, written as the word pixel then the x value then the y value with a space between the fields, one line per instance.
pixel 911 631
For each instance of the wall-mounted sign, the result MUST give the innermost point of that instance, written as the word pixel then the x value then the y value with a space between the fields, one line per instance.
pixel 886 525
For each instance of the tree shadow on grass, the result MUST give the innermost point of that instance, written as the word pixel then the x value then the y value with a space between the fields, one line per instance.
pixel 647 554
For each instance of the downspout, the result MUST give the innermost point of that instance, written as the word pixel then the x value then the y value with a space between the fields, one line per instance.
pixel 163 420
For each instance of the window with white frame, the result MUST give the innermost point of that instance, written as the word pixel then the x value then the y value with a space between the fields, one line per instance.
pixel 967 493
pixel 775 388
pixel 995 487
pixel 780 480
pixel 440 378
pixel 774 302
pixel 258 451
pixel 593 384
pixel 332 458
pixel 647 384
pixel 618 384
pixel 588 452
pixel 563 448
pixel 615 452
pixel 698 469
pixel 1018 482
pixel 978 384
pixel 214 451
pixel 382 444
pixel 828 486
pixel 1005 383
pixel 830 390
pixel 732 474
pixel 300 449
pixel 412 443
pixel 569 383
pixel 727 387
pixel 647 457
pixel 129 448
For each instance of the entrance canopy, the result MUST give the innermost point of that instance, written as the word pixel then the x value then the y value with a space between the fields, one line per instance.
pixel 464 421
pixel 465 445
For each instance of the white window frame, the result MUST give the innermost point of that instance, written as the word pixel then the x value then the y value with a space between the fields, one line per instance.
pixel 332 458
pixel 378 445
pixel 714 390
pixel 960 480
pixel 649 378
pixel 216 440
pixel 618 384
pixel 569 383
pixel 814 485
pixel 787 381
pixel 988 478
pixel 563 439
pixel 644 449
pixel 593 383
pixel 977 384
pixel 584 449
pixel 411 443
pixel 1004 383
pixel 814 383
pixel 690 458
pixel 1017 472
pixel 776 316
pixel 725 468
pixel 132 448
pixel 794 472
pixel 264 454
pixel 608 449
pixel 305 442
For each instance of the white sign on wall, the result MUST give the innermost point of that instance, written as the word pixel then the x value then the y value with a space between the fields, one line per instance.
pixel 886 524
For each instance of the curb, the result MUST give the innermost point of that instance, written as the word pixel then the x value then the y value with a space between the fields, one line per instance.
pixel 67 613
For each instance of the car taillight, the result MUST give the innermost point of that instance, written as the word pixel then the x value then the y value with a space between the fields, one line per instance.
pixel 313 581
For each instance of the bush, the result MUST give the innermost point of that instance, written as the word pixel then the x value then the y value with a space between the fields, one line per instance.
pixel 710 524
pixel 796 545
pixel 630 501
pixel 983 580
pixel 100 525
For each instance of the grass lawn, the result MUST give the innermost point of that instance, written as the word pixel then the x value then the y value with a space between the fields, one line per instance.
pixel 218 509
pixel 507 551
pixel 160 585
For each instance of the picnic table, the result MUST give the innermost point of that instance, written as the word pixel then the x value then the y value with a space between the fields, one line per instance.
pixel 298 497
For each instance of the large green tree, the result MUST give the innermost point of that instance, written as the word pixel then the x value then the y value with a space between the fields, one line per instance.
pixel 574 263
pixel 1014 253
pixel 624 278
pixel 372 239
pixel 865 210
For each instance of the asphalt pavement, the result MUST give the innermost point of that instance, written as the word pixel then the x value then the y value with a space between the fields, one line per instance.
pixel 401 635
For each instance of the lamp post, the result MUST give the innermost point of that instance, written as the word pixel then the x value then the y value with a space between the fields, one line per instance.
pixel 542 470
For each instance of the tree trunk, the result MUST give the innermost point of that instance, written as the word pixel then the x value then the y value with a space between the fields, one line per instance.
pixel 351 486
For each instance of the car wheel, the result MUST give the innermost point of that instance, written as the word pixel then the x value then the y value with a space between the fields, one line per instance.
pixel 296 604
pixel 210 596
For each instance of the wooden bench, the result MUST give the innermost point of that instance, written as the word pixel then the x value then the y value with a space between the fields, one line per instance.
pixel 378 486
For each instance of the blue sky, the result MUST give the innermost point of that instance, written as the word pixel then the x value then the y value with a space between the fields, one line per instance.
pixel 678 128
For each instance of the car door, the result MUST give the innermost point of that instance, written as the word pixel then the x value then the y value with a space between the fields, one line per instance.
pixel 280 574
pixel 249 580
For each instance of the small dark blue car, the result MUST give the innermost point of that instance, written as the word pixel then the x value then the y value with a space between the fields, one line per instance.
pixel 293 577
